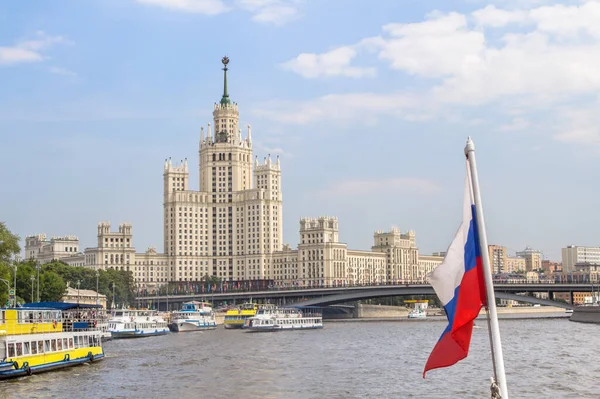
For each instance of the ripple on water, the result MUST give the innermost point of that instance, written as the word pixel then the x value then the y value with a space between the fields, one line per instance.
pixel 544 358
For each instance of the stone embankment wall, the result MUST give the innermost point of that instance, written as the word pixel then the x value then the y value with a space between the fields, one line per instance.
pixel 380 311
pixel 526 309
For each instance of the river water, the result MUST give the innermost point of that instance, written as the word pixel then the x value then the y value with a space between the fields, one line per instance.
pixel 545 358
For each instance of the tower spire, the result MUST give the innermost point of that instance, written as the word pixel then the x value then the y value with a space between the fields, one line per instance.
pixel 225 98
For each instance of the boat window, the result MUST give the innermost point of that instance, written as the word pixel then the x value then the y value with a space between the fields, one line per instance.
pixel 11 350
pixel 59 344
pixel 70 342
pixel 65 343
pixel 19 349
pixel 53 345
pixel 3 317
pixel 47 345
pixel 40 346
pixel 33 347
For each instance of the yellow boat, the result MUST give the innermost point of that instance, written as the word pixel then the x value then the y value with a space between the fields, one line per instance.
pixel 235 318
pixel 47 336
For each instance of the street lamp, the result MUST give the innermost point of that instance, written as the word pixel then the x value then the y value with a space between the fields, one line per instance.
pixel 38 266
pixel 15 282
pixel 32 284
pixel 97 275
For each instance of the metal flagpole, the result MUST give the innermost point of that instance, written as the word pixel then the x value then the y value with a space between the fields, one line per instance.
pixel 495 342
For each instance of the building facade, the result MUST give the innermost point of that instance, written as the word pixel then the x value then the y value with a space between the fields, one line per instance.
pixel 497 255
pixel 533 259
pixel 43 250
pixel 515 264
pixel 573 255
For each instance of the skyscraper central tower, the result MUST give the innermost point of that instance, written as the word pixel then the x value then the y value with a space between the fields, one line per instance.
pixel 233 224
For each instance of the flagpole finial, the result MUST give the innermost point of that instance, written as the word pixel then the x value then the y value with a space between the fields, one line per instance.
pixel 470 146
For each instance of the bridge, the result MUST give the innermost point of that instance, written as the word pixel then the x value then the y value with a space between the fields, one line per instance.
pixel 325 296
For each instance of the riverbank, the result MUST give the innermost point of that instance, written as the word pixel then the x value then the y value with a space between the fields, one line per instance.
pixel 379 313
pixel 521 316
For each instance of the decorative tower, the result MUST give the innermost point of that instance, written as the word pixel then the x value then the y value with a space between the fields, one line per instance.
pixel 175 179
pixel 225 159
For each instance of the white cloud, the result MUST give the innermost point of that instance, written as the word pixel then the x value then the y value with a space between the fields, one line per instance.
pixel 581 126
pixel 350 107
pixel 495 17
pixel 530 59
pixel 333 63
pixel 273 150
pixel 207 7
pixel 30 49
pixel 276 12
pixel 411 185
pixel 15 55
pixel 440 46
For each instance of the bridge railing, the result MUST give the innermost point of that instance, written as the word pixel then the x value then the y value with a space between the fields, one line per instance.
pixel 276 286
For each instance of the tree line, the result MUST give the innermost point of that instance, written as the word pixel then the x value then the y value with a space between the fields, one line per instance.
pixel 54 277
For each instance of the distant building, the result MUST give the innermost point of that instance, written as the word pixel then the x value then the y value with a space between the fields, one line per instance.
pixel 551 267
pixel 533 259
pixel 115 250
pixel 497 255
pixel 515 264
pixel 42 250
pixel 87 297
pixel 574 254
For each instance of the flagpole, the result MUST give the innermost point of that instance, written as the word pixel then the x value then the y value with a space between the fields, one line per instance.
pixel 495 342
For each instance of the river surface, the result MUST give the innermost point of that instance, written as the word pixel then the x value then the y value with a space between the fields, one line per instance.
pixel 545 358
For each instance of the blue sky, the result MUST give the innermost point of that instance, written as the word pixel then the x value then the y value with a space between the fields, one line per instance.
pixel 368 104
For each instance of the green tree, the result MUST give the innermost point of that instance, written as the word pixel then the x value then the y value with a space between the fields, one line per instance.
pixel 9 247
pixel 123 282
pixel 52 286
pixel 9 244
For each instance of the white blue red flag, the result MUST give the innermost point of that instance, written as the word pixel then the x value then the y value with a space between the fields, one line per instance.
pixel 460 286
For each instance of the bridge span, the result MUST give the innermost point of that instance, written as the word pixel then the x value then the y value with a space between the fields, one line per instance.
pixel 334 295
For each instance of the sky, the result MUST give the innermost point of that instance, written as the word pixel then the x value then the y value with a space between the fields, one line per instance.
pixel 368 105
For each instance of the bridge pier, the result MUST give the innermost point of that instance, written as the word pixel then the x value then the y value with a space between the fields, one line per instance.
pixel 571 297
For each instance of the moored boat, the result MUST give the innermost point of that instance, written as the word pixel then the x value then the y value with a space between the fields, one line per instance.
pixel 417 313
pixel 235 318
pixel 273 318
pixel 586 314
pixel 193 316
pixel 132 323
pixel 37 339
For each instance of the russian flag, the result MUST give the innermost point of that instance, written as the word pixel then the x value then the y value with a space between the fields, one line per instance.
pixel 459 284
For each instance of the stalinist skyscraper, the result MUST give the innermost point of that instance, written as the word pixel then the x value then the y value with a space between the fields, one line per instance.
pixel 231 227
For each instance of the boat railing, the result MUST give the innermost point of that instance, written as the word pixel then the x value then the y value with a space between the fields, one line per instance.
pixel 52 327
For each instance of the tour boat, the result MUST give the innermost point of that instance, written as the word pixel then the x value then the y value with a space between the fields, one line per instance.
pixel 235 318
pixel 129 323
pixel 273 318
pixel 37 339
pixel 417 313
pixel 193 316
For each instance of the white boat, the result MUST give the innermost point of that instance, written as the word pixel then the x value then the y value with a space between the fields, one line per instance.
pixel 273 318
pixel 417 314
pixel 193 316
pixel 127 323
